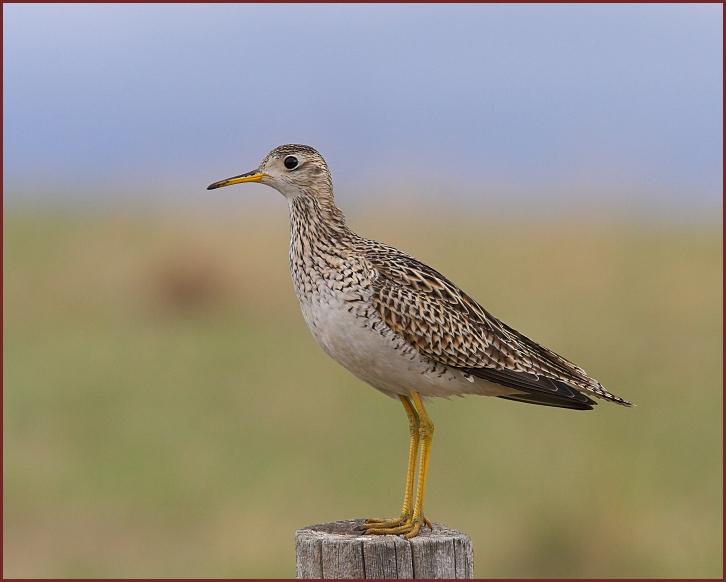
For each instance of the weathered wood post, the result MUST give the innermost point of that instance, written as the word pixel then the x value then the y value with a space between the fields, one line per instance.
pixel 339 550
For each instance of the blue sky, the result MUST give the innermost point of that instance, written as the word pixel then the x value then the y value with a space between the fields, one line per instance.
pixel 456 100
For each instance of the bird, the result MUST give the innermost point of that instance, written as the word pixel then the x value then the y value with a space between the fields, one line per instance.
pixel 403 327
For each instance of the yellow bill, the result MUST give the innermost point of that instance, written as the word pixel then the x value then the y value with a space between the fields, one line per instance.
pixel 253 176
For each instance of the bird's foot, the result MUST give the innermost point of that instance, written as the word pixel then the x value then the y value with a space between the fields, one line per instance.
pixel 379 522
pixel 407 525
pixel 391 522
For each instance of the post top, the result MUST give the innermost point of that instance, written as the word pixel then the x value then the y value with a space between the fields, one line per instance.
pixel 340 550
pixel 348 529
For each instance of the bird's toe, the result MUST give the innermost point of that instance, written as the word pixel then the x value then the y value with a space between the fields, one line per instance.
pixel 407 526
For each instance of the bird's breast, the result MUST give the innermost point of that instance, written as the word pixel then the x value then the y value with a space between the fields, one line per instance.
pixel 352 333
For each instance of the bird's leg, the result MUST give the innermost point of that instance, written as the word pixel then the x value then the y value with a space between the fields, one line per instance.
pixel 426 429
pixel 411 526
pixel 413 445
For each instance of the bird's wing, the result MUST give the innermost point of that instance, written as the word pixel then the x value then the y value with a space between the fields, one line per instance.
pixel 446 325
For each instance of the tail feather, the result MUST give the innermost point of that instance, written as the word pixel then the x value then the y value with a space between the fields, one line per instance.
pixel 536 389
pixel 550 400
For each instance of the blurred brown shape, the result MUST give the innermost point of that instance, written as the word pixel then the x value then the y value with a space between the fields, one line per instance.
pixel 191 281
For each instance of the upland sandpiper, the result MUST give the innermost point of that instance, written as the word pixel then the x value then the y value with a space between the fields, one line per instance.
pixel 401 326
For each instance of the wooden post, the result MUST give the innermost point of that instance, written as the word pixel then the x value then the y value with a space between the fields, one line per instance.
pixel 339 550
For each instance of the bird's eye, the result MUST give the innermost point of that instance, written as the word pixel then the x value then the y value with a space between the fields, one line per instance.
pixel 290 162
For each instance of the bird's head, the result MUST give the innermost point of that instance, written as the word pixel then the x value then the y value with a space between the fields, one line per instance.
pixel 293 170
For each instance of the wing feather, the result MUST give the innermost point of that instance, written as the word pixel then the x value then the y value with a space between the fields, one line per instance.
pixel 446 325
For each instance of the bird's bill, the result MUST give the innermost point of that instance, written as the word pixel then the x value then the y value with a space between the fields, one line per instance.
pixel 253 176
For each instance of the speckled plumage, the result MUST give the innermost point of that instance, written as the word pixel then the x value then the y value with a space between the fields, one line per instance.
pixel 401 326
pixel 360 295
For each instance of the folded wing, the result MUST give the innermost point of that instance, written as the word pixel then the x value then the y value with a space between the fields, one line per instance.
pixel 446 325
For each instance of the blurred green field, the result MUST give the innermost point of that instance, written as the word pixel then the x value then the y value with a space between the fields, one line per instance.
pixel 167 413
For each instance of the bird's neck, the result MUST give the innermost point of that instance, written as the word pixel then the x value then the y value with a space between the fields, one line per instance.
pixel 317 228
pixel 313 217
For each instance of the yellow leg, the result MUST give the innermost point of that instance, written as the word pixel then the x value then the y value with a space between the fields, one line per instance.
pixel 426 429
pixel 413 444
pixel 413 423
pixel 411 525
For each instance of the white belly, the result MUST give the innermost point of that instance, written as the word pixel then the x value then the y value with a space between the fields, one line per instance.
pixel 363 344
